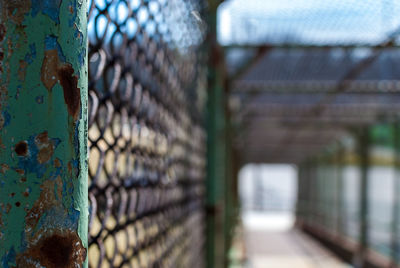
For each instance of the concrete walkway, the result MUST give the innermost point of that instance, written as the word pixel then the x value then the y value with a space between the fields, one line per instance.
pixel 276 245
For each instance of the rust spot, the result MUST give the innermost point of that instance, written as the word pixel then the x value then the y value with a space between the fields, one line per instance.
pixel 18 204
pixel 8 208
pixel 69 167
pixel 26 193
pixel 5 208
pixel 61 249
pixel 45 154
pixel 21 148
pixel 57 163
pixel 49 68
pixel 72 94
pixel 16 10
pixel 3 31
pixel 4 168
pixel 46 147
pixel 1 116
pixel 46 200
pixel 22 70
pixel 23 179
pixel 20 171
pixel 12 194
pixel 52 70
pixel 42 137
pixel 10 47
pixel 3 98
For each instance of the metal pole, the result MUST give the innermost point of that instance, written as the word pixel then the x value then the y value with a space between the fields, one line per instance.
pixel 216 146
pixel 43 130
pixel 396 202
pixel 359 260
pixel 340 220
pixel 312 219
pixel 299 206
pixel 230 177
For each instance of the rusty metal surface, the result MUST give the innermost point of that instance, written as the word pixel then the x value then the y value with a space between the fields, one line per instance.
pixel 43 149
pixel 147 143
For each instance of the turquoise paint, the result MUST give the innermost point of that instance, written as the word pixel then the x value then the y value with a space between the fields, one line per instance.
pixel 43 146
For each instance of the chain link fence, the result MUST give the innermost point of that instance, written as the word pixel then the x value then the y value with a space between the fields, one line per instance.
pixel 147 87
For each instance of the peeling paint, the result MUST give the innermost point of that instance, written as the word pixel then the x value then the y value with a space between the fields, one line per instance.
pixel 49 68
pixel 43 143
pixel 2 34
pixel 69 83
pixel 52 71
pixel 22 70
pixel 46 201
pixel 15 10
pixel 46 147
pixel 50 8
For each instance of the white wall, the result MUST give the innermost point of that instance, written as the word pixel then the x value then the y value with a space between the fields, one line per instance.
pixel 268 187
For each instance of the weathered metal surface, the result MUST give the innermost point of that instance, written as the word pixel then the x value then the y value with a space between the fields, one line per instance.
pixel 43 133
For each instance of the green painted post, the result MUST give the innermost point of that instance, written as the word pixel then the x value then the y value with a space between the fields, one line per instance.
pixel 312 167
pixel 311 191
pixel 299 212
pixel 216 146
pixel 43 123
pixel 339 190
pixel 396 203
pixel 229 185
pixel 364 144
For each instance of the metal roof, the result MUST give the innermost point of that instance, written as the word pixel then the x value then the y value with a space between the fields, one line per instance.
pixel 293 102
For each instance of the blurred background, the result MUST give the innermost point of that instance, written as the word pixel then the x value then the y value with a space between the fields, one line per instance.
pixel 312 104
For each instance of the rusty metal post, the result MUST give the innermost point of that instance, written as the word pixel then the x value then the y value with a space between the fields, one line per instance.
pixel 43 130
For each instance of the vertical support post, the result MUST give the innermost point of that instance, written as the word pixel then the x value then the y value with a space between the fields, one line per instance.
pixel 363 211
pixel 216 146
pixel 396 194
pixel 230 185
pixel 312 167
pixel 319 198
pixel 339 189
pixel 43 133
pixel 299 206
pixel 303 193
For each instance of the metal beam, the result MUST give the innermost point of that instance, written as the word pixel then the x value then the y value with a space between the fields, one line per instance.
pixel 315 86
pixel 320 106
pixel 298 122
pixel 310 46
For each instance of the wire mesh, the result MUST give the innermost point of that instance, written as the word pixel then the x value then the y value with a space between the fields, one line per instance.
pixel 310 22
pixel 299 64
pixel 147 152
